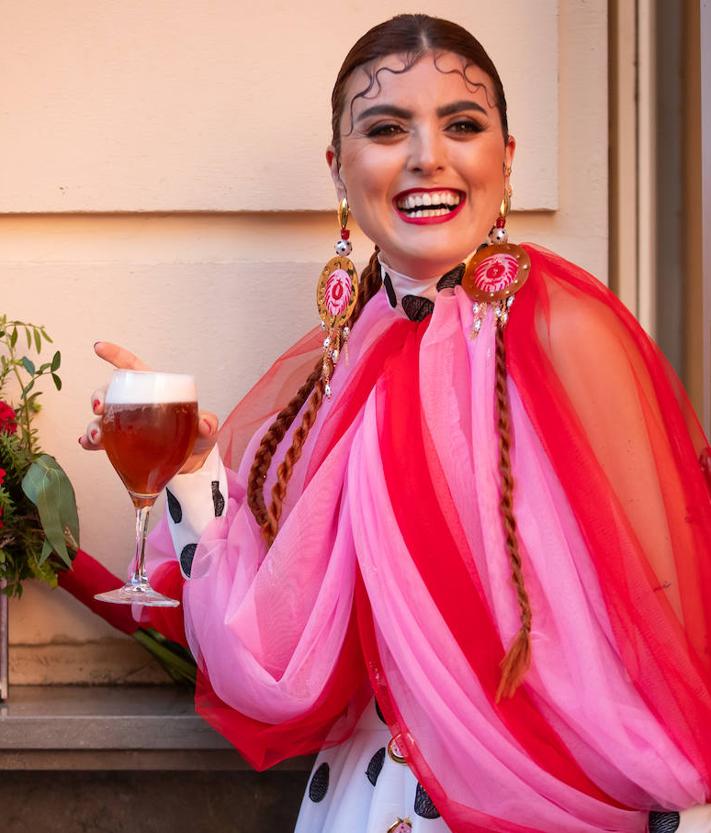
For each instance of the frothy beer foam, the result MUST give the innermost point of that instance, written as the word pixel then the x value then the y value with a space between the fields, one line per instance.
pixel 138 387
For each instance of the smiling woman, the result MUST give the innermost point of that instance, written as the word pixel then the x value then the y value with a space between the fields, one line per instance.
pixel 477 581
pixel 423 144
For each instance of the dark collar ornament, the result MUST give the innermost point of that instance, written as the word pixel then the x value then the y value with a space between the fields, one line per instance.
pixel 418 307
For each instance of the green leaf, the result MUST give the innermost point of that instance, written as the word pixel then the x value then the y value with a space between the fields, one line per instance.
pixel 28 336
pixel 45 336
pixel 38 340
pixel 48 487
pixel 28 387
pixel 46 551
pixel 28 365
pixel 56 360
pixel 13 337
pixel 57 381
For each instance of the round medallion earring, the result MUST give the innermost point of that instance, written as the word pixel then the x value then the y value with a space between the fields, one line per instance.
pixel 497 271
pixel 336 295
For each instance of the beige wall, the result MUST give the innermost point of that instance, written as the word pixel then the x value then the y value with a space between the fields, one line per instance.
pixel 155 194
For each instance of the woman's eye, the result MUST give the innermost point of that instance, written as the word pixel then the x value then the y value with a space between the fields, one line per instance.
pixel 384 131
pixel 465 126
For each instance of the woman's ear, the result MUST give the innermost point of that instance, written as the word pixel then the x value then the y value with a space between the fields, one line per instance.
pixel 335 169
pixel 509 151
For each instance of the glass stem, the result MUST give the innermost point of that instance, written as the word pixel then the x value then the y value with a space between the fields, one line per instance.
pixel 139 575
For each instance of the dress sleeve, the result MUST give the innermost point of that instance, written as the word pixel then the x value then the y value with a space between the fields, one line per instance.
pixel 193 500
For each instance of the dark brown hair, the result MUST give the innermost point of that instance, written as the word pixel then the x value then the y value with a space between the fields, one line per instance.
pixel 412 36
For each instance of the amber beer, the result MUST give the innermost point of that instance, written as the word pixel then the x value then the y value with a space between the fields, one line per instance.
pixel 149 426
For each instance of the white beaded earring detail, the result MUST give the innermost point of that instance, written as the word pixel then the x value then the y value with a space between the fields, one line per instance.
pixel 336 295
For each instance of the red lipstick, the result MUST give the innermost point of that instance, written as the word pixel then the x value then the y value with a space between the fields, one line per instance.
pixel 426 221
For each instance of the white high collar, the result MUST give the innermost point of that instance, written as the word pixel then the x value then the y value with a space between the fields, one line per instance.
pixel 405 285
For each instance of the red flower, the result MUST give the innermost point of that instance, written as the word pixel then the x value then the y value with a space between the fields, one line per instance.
pixel 2 477
pixel 8 421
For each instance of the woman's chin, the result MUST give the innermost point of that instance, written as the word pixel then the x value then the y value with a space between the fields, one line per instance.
pixel 426 260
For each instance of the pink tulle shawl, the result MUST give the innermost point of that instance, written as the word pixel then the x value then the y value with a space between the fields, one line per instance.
pixel 389 573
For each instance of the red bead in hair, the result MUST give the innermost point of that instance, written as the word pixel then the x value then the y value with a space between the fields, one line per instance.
pixel 500 222
pixel 345 233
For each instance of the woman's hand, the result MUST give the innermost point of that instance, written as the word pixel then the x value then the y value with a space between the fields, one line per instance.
pixel 121 358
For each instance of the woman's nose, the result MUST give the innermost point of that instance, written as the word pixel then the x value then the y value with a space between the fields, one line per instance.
pixel 427 152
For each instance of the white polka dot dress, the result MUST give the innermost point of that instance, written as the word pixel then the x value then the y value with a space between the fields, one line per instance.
pixel 358 786
pixel 193 500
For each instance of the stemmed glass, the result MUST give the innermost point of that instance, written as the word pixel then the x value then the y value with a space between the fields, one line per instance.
pixel 149 425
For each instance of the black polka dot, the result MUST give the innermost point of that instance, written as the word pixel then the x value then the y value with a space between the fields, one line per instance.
pixel 217 498
pixel 423 804
pixel 389 291
pixel 663 822
pixel 176 512
pixel 319 783
pixel 379 713
pixel 375 765
pixel 186 558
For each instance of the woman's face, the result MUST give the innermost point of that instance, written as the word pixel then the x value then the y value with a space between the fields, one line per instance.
pixel 423 165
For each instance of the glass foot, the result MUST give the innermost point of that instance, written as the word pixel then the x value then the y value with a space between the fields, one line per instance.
pixel 140 593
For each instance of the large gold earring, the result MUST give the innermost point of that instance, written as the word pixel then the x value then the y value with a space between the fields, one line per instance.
pixel 497 270
pixel 336 295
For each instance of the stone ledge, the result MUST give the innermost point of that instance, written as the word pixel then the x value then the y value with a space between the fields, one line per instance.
pixel 110 661
pixel 112 728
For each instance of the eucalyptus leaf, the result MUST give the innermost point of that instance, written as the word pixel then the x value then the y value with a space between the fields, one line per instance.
pixel 57 381
pixel 38 340
pixel 48 487
pixel 28 364
pixel 56 360
pixel 28 336
pixel 47 550
pixel 45 336
pixel 13 337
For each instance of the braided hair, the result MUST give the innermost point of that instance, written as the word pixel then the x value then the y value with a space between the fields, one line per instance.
pixel 313 390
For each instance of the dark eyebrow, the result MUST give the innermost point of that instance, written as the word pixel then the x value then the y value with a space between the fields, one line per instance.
pixel 385 110
pixel 458 107
pixel 401 113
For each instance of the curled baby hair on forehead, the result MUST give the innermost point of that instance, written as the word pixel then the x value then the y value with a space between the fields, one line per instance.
pixel 410 36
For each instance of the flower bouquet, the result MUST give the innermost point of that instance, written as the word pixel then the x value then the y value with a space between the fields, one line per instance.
pixel 39 526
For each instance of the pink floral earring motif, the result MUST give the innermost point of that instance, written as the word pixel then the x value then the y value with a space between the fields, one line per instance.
pixel 497 271
pixel 336 295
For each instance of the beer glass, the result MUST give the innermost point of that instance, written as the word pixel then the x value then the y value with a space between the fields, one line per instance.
pixel 149 425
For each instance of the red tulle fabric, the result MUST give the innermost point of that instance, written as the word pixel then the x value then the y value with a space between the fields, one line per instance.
pixel 625 443
pixel 614 424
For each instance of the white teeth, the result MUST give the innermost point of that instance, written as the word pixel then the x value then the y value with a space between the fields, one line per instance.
pixel 422 199
pixel 430 212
